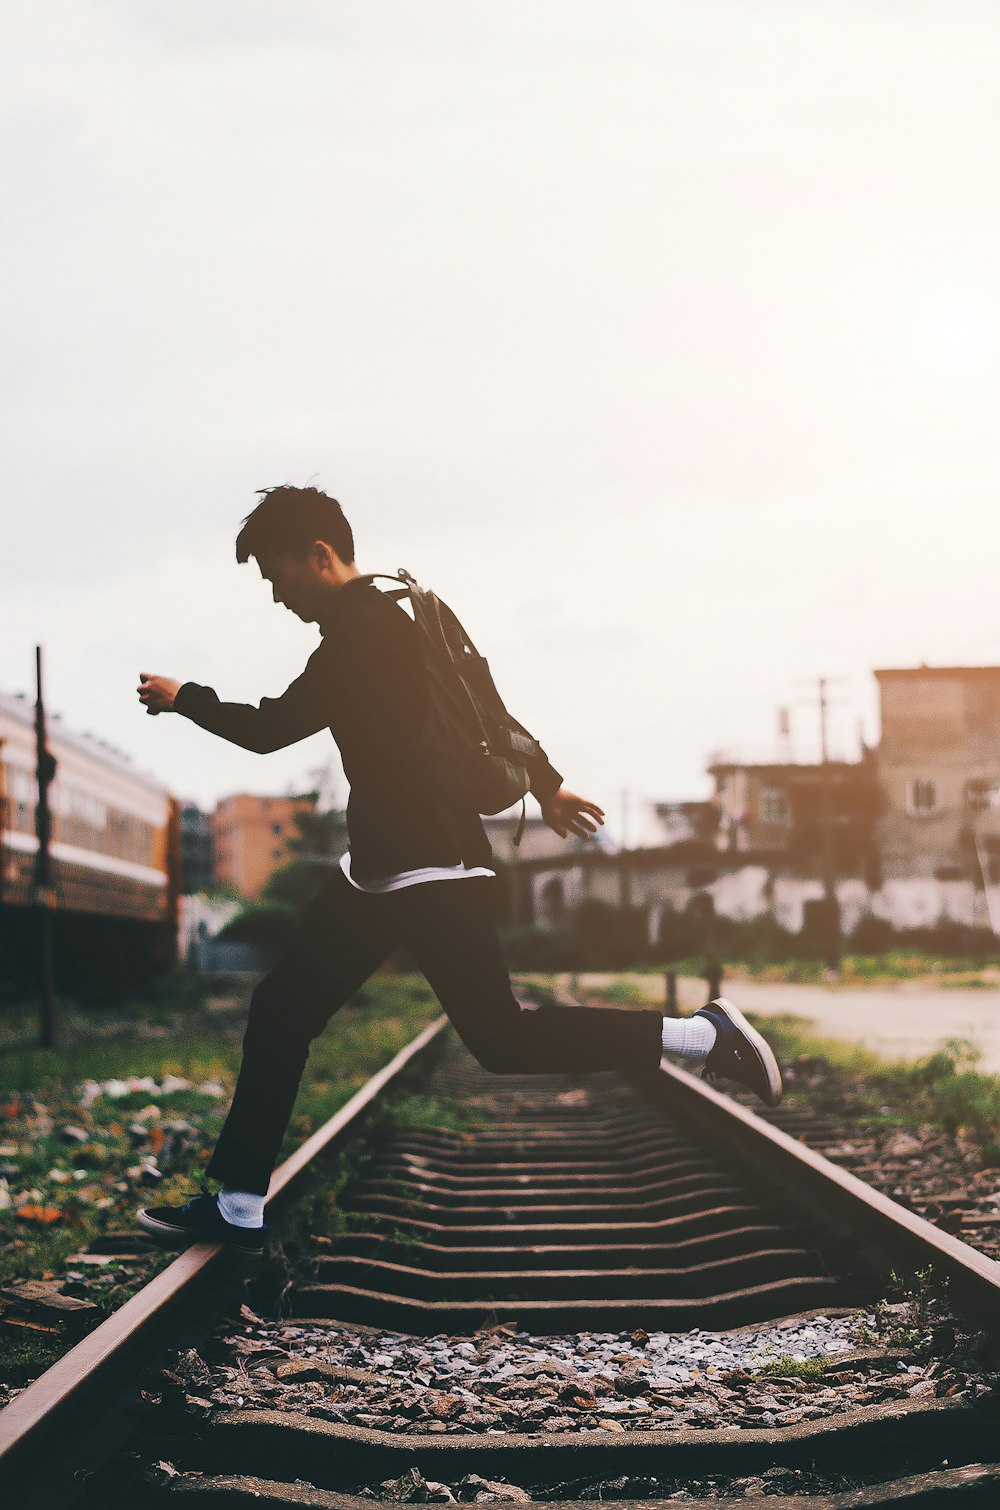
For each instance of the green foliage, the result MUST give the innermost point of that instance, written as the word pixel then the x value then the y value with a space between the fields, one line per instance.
pixel 268 925
pixel 539 948
pixel 24 1358
pixel 796 1368
pixel 908 1316
pixel 626 993
pixel 599 936
pixel 319 839
pixel 943 1088
pixel 352 1048
pixel 429 1111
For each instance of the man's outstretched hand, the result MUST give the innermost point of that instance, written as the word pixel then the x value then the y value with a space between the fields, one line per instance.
pixel 566 813
pixel 157 692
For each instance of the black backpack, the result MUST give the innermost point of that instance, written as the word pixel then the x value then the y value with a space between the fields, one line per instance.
pixel 478 749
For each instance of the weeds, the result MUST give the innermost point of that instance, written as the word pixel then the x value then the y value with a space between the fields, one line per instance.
pixel 43 1092
pixel 913 1308
pixel 428 1111
pixel 943 1089
pixel 796 1368
pixel 25 1357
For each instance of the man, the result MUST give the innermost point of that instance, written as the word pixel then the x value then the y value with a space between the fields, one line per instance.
pixel 417 874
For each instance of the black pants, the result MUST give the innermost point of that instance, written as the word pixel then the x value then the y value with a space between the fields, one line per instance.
pixel 449 929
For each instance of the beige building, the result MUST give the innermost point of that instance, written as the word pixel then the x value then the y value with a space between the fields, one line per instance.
pixel 939 775
pixel 250 837
pixel 782 809
pixel 914 828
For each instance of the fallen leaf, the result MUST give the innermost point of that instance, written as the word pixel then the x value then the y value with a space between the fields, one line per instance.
pixel 43 1214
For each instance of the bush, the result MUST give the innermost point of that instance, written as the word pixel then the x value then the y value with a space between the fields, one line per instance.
pixel 872 935
pixel 538 948
pixel 267 925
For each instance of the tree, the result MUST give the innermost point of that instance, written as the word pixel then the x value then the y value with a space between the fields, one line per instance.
pixel 315 850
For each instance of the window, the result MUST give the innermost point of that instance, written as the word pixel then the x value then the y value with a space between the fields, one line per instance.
pixel 922 798
pixel 24 787
pixel 774 807
pixel 982 794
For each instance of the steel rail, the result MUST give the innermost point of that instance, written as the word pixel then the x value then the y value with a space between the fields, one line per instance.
pixel 273 1449
pixel 836 1196
pixel 901 1235
pixel 33 1412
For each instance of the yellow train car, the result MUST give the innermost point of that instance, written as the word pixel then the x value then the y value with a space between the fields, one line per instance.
pixel 114 845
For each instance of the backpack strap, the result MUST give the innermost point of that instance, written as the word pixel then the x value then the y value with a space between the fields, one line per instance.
pixel 521 823
pixel 402 575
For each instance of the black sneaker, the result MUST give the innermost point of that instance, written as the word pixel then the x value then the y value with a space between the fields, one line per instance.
pixel 199 1220
pixel 739 1052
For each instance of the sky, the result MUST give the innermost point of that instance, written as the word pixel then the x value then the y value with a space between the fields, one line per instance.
pixel 661 339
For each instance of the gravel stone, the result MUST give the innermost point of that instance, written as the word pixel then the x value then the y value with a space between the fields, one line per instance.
pixel 505 1381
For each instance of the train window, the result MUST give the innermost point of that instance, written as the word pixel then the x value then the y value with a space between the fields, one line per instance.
pixel 24 788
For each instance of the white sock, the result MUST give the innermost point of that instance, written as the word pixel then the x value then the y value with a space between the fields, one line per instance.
pixel 692 1036
pixel 241 1208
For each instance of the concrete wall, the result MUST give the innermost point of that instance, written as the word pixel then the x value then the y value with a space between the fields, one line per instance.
pixel 747 892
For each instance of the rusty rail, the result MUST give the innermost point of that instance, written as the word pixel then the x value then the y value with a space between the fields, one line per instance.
pixel 111 1348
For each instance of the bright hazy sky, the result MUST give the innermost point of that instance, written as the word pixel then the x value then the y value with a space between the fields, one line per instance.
pixel 662 339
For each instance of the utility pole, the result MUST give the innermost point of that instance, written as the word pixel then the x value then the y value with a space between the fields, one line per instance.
pixel 830 905
pixel 45 770
pixel 624 874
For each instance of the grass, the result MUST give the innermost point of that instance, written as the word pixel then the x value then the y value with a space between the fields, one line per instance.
pixel 944 1089
pixel 94 1185
pixel 429 1111
pixel 889 968
pixel 796 1368
pixel 907 1317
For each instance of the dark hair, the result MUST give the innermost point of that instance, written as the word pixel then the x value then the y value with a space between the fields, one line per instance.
pixel 288 520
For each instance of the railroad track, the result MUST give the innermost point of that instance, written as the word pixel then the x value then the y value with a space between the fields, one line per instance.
pixel 588 1225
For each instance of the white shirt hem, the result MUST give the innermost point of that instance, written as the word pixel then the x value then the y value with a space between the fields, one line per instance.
pixel 417 877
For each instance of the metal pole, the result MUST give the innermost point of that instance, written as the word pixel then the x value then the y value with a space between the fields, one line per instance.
pixel 713 977
pixel 45 769
pixel 670 994
pixel 829 866
pixel 624 877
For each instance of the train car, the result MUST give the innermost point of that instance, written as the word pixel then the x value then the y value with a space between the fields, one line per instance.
pixel 114 858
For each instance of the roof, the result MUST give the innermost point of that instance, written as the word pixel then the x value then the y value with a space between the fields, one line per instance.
pixel 939 671
pixel 22 711
pixel 789 768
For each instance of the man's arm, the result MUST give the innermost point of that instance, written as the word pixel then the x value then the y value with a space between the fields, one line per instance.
pixel 275 723
pixel 563 811
pixel 543 777
pixel 566 813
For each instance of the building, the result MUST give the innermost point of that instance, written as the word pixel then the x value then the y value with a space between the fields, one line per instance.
pixel 250 838
pixel 548 878
pixel 939 775
pixel 788 810
pixel 518 865
pixel 913 829
pixel 197 863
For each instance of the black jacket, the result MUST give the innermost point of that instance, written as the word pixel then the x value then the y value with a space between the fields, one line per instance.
pixel 365 682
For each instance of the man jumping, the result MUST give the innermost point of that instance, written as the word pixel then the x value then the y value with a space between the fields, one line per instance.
pixel 417 874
